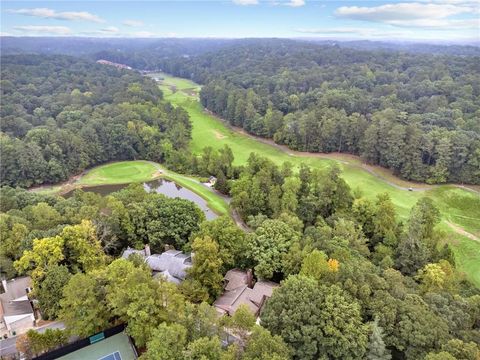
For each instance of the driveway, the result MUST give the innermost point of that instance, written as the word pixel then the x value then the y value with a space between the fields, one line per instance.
pixel 8 347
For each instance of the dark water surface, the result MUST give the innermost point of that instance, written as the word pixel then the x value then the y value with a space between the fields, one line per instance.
pixel 161 186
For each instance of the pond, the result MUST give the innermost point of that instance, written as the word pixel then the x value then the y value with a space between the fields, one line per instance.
pixel 161 186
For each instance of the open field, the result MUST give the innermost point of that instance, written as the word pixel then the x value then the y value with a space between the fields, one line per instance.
pixel 458 206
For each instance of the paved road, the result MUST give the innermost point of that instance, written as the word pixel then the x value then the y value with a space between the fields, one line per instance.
pixel 7 346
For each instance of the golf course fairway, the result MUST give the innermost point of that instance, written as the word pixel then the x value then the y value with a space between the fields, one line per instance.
pixel 460 208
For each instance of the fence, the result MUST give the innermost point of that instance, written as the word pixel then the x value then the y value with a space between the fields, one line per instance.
pixel 80 344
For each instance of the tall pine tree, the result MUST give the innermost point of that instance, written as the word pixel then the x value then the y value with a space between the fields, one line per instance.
pixel 376 346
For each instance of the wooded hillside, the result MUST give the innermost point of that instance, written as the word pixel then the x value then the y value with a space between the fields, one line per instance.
pixel 61 115
pixel 417 114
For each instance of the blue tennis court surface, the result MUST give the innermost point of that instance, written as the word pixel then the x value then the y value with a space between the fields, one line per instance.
pixel 116 347
pixel 113 356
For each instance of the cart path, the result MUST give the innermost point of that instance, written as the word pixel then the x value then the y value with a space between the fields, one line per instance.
pixel 461 231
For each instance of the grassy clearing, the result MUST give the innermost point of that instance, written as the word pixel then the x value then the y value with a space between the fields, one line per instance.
pixel 205 133
pixel 139 171
pixel 456 205
pixel 120 173
pixel 467 257
pixel 125 172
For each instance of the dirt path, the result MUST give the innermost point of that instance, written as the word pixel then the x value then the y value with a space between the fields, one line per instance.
pixel 461 231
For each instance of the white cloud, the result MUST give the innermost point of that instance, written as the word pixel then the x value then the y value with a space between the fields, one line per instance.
pixel 245 2
pixel 291 3
pixel 295 3
pixel 455 2
pixel 341 30
pixel 133 23
pixel 353 31
pixel 52 14
pixel 414 14
pixel 401 12
pixel 39 29
pixel 143 34
pixel 438 24
pixel 109 30
pixel 112 31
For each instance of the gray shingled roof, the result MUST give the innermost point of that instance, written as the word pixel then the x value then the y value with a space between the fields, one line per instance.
pixel 129 251
pixel 171 263
pixel 16 288
pixel 21 307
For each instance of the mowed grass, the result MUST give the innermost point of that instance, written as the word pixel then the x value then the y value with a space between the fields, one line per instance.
pixel 139 171
pixel 125 172
pixel 456 205
pixel 119 173
pixel 467 257
pixel 214 201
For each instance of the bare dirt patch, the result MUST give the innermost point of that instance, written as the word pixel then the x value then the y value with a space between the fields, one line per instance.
pixel 191 92
pixel 219 135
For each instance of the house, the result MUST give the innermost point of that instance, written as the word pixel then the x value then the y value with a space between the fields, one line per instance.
pixel 16 310
pixel 240 290
pixel 111 63
pixel 171 264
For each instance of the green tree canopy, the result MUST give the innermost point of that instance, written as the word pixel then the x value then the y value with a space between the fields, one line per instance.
pixel 316 320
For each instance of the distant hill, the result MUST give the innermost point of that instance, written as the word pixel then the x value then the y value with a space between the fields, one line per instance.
pixel 80 46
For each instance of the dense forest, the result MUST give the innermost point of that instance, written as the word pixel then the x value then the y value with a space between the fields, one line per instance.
pixel 413 113
pixel 61 115
pixel 413 109
pixel 356 282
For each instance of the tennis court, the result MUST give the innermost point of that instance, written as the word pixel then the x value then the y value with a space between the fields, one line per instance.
pixel 114 356
pixel 116 347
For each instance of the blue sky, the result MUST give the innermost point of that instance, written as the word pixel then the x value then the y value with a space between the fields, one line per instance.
pixel 408 20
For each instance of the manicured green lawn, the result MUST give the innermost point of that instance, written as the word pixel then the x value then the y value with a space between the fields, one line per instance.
pixel 124 172
pixel 214 201
pixel 467 256
pixel 119 173
pixel 456 205
pixel 139 170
